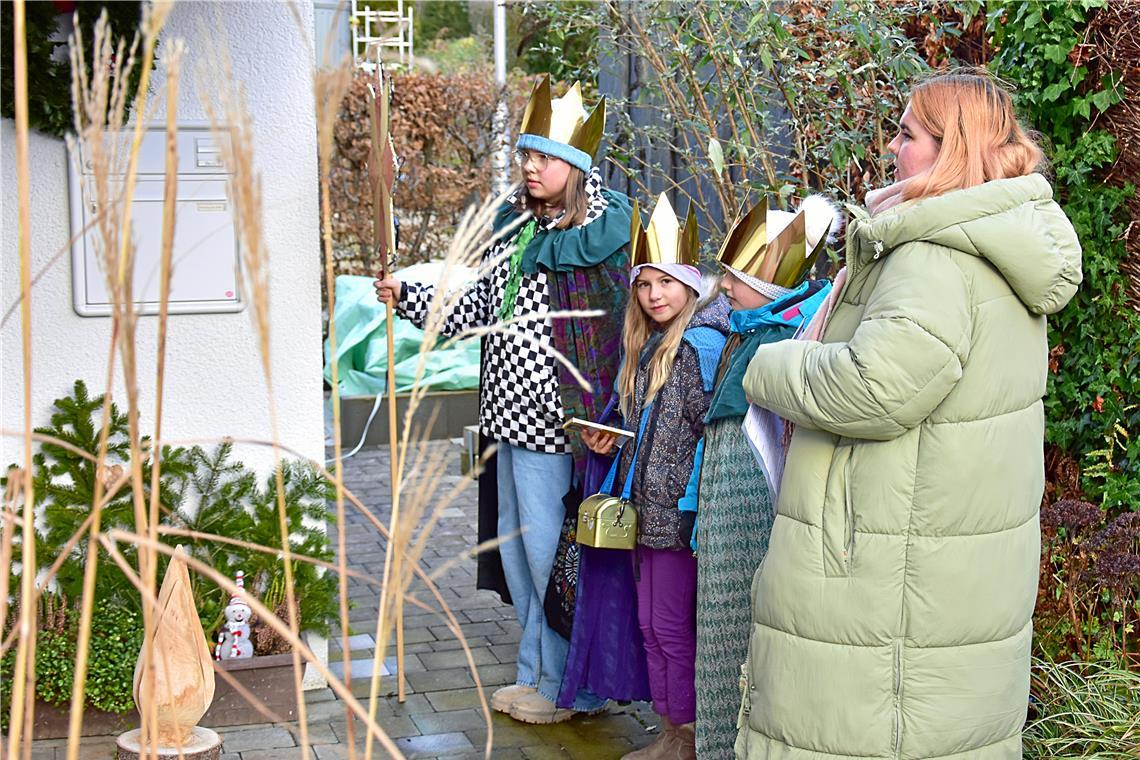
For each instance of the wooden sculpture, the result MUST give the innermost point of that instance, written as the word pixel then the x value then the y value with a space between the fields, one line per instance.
pixel 183 683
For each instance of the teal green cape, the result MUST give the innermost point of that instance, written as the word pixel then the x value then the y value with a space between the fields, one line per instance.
pixel 577 247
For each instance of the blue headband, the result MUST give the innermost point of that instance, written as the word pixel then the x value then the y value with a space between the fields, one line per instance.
pixel 567 153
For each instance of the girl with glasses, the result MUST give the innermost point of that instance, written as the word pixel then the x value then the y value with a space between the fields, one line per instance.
pixel 568 254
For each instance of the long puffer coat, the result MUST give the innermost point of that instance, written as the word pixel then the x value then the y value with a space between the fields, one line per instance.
pixel 892 616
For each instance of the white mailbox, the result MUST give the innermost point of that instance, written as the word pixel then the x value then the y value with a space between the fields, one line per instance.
pixel 205 265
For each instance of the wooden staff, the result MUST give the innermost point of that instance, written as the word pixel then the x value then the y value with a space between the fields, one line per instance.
pixel 382 170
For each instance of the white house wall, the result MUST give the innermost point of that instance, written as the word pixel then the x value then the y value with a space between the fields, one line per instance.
pixel 214 382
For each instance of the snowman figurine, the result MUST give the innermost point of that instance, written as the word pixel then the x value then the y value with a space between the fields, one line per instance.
pixel 233 638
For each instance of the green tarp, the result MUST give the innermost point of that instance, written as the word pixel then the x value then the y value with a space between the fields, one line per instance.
pixel 362 348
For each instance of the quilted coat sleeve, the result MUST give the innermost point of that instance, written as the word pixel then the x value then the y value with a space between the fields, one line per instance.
pixel 902 360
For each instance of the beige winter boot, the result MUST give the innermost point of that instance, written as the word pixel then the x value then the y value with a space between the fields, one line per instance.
pixel 505 697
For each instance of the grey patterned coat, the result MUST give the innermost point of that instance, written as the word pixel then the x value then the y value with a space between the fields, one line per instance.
pixel 675 426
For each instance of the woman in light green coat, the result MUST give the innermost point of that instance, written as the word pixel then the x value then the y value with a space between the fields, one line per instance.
pixel 892 616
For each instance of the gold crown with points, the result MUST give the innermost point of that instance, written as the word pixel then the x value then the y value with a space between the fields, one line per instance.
pixel 563 120
pixel 663 241
pixel 783 259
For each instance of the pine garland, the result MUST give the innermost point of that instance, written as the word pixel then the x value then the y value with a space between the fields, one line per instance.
pixel 49 73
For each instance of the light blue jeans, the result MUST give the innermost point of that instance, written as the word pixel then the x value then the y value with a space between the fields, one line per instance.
pixel 531 487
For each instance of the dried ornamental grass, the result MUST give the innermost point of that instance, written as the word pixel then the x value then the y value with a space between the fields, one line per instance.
pixel 234 128
pixel 25 672
pixel 97 138
pixel 424 500
pixel 329 87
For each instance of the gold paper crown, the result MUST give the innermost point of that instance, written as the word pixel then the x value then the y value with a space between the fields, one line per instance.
pixel 783 260
pixel 563 119
pixel 662 241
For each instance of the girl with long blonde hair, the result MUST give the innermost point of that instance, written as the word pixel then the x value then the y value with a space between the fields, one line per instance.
pixel 672 339
pixel 637 330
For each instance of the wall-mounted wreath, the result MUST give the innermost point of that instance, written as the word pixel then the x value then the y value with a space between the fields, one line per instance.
pixel 49 65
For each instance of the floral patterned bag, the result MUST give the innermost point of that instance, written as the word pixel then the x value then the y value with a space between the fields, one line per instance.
pixel 562 589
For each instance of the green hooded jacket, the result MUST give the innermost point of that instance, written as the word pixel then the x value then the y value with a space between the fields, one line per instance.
pixel 892 616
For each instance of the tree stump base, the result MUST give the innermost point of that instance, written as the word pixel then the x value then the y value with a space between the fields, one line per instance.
pixel 203 744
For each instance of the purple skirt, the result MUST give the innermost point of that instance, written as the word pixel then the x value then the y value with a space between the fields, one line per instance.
pixel 607 653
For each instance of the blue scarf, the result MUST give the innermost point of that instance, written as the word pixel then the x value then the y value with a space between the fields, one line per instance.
pixel 752 328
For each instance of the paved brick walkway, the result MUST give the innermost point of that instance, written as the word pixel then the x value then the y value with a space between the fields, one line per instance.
pixel 441 716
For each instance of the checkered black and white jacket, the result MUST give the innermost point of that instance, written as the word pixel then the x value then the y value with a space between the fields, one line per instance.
pixel 519 399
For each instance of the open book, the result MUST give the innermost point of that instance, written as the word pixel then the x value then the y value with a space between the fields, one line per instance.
pixel 580 424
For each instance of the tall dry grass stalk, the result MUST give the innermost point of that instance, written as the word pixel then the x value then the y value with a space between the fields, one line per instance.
pixel 422 506
pixel 382 167
pixel 234 128
pixel 101 116
pixel 170 193
pixel 382 174
pixel 328 90
pixel 329 87
pixel 466 247
pixel 24 676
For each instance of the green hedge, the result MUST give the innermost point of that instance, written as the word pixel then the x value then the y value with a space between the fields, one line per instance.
pixel 1093 403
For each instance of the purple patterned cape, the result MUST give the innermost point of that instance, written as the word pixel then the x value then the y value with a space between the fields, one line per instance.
pixel 593 346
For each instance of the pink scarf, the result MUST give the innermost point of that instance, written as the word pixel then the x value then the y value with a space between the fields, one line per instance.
pixel 814 329
pixel 886 198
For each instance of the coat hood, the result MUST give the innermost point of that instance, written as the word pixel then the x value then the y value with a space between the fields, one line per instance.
pixel 1012 223
pixel 706 334
pixel 795 309
pixel 713 313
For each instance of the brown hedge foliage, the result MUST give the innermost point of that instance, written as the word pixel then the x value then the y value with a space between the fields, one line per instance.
pixel 442 127
pixel 1114 46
